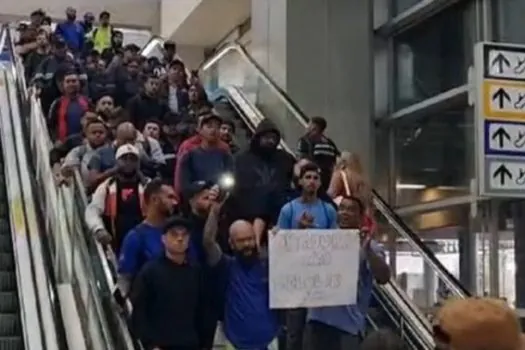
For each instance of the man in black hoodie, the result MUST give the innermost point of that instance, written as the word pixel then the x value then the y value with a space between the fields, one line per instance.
pixel 263 175
pixel 147 105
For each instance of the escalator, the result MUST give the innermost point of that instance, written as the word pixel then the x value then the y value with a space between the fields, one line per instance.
pixel 10 325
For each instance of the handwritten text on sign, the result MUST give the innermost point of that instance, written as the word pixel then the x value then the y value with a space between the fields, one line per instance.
pixel 311 268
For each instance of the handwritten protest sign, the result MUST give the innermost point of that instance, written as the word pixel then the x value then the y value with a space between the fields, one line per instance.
pixel 311 268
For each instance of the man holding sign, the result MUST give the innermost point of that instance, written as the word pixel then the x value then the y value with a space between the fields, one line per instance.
pixel 305 212
pixel 323 267
pixel 339 327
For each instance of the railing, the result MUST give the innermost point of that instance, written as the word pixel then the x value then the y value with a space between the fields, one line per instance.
pixel 233 66
pixel 408 317
pixel 85 298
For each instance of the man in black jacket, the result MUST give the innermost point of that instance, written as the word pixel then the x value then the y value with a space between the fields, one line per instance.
pixel 263 176
pixel 167 295
pixel 147 104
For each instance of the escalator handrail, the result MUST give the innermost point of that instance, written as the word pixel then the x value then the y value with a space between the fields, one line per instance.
pixel 107 274
pixel 413 240
pixel 252 116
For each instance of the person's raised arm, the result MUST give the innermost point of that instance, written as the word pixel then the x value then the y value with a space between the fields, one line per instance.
pixel 209 241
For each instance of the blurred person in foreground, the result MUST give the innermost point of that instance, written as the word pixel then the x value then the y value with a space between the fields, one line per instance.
pixel 477 324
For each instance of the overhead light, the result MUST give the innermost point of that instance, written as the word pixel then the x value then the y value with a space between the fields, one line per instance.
pixel 401 186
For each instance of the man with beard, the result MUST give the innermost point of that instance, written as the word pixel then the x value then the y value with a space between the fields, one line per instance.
pixel 248 322
pixel 263 175
pixel 71 31
pixel 340 327
pixel 144 242
pixel 117 205
pixel 105 107
pixel 36 57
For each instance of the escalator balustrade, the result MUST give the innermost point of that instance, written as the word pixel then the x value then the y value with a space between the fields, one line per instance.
pixel 10 325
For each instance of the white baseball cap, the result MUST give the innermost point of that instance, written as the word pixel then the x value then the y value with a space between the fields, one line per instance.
pixel 126 149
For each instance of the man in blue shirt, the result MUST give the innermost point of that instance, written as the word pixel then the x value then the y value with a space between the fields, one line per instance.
pixel 208 161
pixel 248 323
pixel 307 211
pixel 144 242
pixel 71 31
pixel 340 327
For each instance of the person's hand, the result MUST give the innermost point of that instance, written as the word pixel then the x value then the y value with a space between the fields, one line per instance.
pixel 306 220
pixel 217 205
pixel 365 239
pixel 67 171
pixel 103 237
pixel 214 193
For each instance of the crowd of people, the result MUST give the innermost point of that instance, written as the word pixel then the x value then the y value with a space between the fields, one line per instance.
pixel 188 211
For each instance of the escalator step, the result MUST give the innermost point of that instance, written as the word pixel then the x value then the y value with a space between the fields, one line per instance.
pixel 7 281
pixel 5 242
pixel 6 262
pixel 11 343
pixel 9 325
pixel 8 302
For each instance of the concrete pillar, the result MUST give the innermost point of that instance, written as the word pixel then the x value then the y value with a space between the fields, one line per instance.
pixel 320 52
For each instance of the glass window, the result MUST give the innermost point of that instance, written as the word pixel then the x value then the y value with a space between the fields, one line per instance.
pixel 508 20
pixel 399 6
pixel 434 156
pixel 433 56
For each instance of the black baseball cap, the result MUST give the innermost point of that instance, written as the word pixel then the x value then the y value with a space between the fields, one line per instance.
pixel 208 115
pixel 176 221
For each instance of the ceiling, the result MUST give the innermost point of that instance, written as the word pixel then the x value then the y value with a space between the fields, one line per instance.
pixel 211 21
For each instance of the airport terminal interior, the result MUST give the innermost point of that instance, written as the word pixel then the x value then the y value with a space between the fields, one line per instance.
pixel 400 82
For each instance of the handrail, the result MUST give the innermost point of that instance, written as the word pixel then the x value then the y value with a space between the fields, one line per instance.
pixel 251 117
pixel 413 240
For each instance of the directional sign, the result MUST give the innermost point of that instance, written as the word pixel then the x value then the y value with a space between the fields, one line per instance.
pixel 504 100
pixel 507 63
pixel 506 175
pixel 505 138
pixel 500 119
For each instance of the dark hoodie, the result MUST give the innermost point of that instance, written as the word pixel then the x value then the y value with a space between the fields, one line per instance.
pixel 143 107
pixel 263 178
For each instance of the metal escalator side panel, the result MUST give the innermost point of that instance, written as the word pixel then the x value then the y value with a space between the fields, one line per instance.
pixel 415 242
pixel 21 279
pixel 42 280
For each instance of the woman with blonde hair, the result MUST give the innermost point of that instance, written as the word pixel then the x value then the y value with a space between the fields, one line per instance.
pixel 348 179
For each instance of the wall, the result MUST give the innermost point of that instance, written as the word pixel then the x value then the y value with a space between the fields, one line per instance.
pixel 173 13
pixel 320 52
pixel 129 13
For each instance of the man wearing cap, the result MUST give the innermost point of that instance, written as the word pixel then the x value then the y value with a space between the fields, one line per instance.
pixel 117 203
pixel 104 163
pixel 167 295
pixel 207 162
pixel 71 31
pixel 196 141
